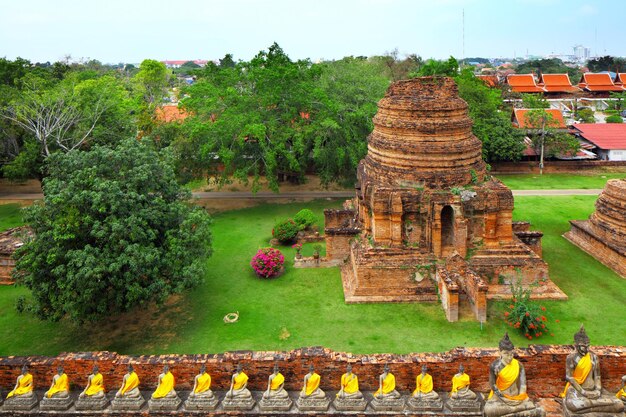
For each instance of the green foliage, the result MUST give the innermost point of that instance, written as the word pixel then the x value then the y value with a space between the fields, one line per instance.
pixel 492 125
pixel 618 100
pixel 548 66
pixel 285 231
pixel 433 67
pixel 535 101
pixel 585 116
pixel 113 233
pixel 614 119
pixel 529 317
pixel 305 219
pixel 607 63
pixel 26 164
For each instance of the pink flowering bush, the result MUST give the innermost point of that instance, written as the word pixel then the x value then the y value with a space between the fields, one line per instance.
pixel 267 262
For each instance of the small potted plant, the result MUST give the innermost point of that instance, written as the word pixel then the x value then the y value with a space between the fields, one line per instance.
pixel 298 248
pixel 317 248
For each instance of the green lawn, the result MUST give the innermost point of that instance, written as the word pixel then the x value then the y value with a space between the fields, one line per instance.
pixel 10 216
pixel 557 181
pixel 305 307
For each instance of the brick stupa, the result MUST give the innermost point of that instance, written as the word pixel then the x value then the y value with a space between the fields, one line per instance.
pixel 427 222
pixel 603 236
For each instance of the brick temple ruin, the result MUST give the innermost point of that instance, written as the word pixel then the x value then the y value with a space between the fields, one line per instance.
pixel 428 223
pixel 603 236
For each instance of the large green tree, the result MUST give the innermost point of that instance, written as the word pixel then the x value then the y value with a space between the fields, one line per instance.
pixel 114 232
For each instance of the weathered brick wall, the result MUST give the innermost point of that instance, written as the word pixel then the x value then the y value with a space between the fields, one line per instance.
pixel 581 235
pixel 544 367
pixel 528 167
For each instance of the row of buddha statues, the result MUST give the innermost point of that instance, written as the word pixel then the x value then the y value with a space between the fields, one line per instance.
pixel 582 395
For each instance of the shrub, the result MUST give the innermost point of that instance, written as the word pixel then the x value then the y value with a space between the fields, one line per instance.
pixel 614 119
pixel 305 219
pixel 586 116
pixel 268 262
pixel 285 231
pixel 528 316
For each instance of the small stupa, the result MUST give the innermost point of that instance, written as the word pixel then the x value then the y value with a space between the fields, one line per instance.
pixel 427 220
pixel 603 236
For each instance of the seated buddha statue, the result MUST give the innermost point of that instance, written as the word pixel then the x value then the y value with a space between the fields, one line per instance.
pixel 95 385
pixel 165 386
pixel 349 385
pixel 386 385
pixel 311 388
pixel 461 386
pixel 621 394
pixel 60 387
pixel 130 385
pixel 23 386
pixel 202 385
pixel 424 386
pixel 275 386
pixel 507 379
pixel 583 391
pixel 238 384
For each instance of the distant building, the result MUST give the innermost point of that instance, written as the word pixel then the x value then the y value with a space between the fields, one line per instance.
pixel 609 139
pixel 179 63
pixel 582 53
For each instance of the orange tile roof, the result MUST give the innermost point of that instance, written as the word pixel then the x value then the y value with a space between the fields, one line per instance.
pixel 603 135
pixel 620 78
pixel 490 80
pixel 520 119
pixel 524 83
pixel 557 83
pixel 170 113
pixel 598 82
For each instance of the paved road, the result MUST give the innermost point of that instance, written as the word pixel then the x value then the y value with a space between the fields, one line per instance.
pixel 238 195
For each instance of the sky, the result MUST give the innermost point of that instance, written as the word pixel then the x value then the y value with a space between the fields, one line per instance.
pixel 129 31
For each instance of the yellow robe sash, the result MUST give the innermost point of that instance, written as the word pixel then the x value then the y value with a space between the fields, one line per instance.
pixel 389 384
pixel 165 386
pixel 583 367
pixel 24 386
pixel 61 384
pixel 240 381
pixel 277 381
pixel 349 383
pixel 96 385
pixel 621 394
pixel 507 377
pixel 460 382
pixel 423 384
pixel 203 384
pixel 131 383
pixel 312 384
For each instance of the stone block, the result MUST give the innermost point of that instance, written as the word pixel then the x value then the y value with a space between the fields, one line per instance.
pixel 465 407
pixel 164 404
pixel 238 404
pixel 388 404
pixel 350 404
pixel 20 403
pixel 313 404
pixel 127 404
pixel 201 403
pixel 91 403
pixel 419 405
pixel 272 405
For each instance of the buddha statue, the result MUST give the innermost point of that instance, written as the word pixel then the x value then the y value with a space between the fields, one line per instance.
pixel 238 384
pixel 238 397
pixel 312 398
pixel 507 379
pixel 93 397
pixel 60 387
pixel 130 385
pixel 275 385
pixel 424 398
pixel 22 397
pixel 386 385
pixel 165 386
pixel 275 398
pixel 461 386
pixel 23 386
pixel 349 385
pixel 583 391
pixel 164 398
pixel 95 385
pixel 128 397
pixel 621 394
pixel 202 385
pixel 201 398
pixel 424 386
pixel 349 397
pixel 311 388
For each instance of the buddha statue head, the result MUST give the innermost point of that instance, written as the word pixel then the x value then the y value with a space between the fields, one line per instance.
pixel 24 369
pixel 386 368
pixel 506 349
pixel 60 370
pixel 166 369
pixel 348 369
pixel 130 368
pixel 581 341
pixel 202 369
pixel 424 369
pixel 311 368
pixel 95 369
pixel 461 369
pixel 276 370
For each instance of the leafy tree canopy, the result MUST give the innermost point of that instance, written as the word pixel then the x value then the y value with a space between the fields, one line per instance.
pixel 607 63
pixel 113 233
